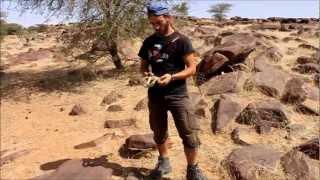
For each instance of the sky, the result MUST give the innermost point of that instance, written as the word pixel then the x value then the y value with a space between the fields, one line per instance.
pixel 198 8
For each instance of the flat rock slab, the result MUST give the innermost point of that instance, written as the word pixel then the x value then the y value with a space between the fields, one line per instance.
pixel 298 166
pixel 244 163
pixel 271 81
pixel 294 93
pixel 75 170
pixel 9 156
pixel 226 83
pixel 224 111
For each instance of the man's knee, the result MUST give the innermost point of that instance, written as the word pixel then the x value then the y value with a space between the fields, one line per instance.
pixel 191 141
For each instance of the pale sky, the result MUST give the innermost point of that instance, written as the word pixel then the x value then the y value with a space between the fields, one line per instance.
pixel 198 8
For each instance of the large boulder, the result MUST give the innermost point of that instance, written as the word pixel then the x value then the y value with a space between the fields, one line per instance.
pixel 246 163
pixel 224 111
pixel 233 50
pixel 299 167
pixel 271 81
pixel 225 83
pixel 271 113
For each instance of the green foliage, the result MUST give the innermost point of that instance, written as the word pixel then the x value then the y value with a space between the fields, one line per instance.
pixel 181 9
pixel 219 10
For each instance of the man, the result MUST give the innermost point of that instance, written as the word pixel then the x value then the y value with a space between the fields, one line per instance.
pixel 172 59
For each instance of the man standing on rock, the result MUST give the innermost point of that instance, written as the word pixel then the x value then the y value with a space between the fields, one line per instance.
pixel 172 58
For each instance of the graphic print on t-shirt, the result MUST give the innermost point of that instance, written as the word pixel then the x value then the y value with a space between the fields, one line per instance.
pixel 156 55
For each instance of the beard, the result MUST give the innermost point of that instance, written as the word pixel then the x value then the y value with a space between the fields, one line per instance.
pixel 164 29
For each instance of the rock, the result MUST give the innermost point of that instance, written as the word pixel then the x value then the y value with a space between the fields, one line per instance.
pixel 225 83
pixel 76 110
pixel 308 46
pixel 271 81
pixel 115 108
pixel 294 128
pixel 99 141
pixel 243 136
pixel 140 142
pixel 119 123
pixel 271 113
pixel 305 60
pixel 310 148
pixel 5 159
pixel 307 68
pixel 209 66
pixel 199 105
pixel 298 166
pixel 135 81
pixel 293 92
pixel 273 54
pixel 142 104
pixel 244 163
pixel 308 107
pixel 224 111
pixel 316 79
pixel 267 25
pixel 262 128
pixel 75 170
pixel 261 64
pixel 112 97
pixel 313 93
pixel 233 50
pixel 237 47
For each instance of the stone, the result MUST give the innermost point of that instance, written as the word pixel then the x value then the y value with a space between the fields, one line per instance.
pixel 294 93
pixel 119 123
pixel 244 163
pixel 115 108
pixel 307 68
pixel 243 136
pixel 271 113
pixel 271 81
pixel 112 97
pixel 7 157
pixel 226 83
pixel 224 111
pixel 76 110
pixel 76 170
pixel 140 142
pixel 298 166
pixel 142 104
pixel 310 148
pixel 305 60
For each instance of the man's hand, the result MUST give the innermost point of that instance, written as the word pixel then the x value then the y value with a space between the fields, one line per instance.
pixel 146 74
pixel 164 80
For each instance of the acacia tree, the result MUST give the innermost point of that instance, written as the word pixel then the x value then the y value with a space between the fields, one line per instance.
pixel 181 9
pixel 219 10
pixel 111 18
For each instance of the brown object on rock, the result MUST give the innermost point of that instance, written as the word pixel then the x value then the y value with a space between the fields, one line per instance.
pixel 76 110
pixel 119 123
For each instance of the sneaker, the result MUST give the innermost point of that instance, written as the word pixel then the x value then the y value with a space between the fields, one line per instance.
pixel 163 167
pixel 195 173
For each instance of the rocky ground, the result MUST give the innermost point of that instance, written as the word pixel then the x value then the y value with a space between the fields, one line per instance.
pixel 257 98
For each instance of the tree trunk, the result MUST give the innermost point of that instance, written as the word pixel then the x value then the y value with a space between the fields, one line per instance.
pixel 113 49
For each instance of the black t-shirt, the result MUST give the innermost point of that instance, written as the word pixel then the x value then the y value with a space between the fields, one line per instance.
pixel 165 55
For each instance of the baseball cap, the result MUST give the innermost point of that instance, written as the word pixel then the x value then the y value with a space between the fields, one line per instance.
pixel 157 8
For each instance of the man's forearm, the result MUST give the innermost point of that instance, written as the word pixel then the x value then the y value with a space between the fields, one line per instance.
pixel 184 74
